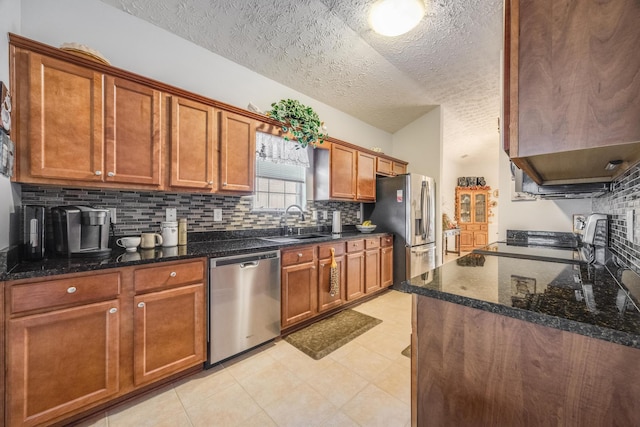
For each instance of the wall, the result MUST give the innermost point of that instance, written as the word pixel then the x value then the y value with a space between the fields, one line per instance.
pixel 140 47
pixel 141 211
pixel 9 193
pixel 625 195
pixel 537 215
pixel 420 143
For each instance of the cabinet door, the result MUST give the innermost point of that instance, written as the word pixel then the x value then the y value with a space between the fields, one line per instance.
pixel 343 172
pixel 372 270
pixel 366 182
pixel 193 145
pixel 480 238
pixel 480 207
pixel 299 292
pixel 399 168
pixel 384 166
pixel 132 128
pixel 386 266
pixel 169 332
pixel 325 300
pixel 355 275
pixel 61 361
pixel 466 240
pixel 237 152
pixel 465 206
pixel 65 121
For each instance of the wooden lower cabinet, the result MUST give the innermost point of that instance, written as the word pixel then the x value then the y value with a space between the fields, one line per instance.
pixel 168 332
pixel 61 361
pixel 80 340
pixel 386 266
pixel 325 300
pixel 299 280
pixel 363 266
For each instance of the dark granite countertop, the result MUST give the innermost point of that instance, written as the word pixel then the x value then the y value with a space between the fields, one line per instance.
pixel 579 298
pixel 219 245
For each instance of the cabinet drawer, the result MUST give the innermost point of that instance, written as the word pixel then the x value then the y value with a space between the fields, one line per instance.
pixel 372 243
pixel 145 279
pixel 324 251
pixel 484 227
pixel 473 227
pixel 386 241
pixel 355 245
pixel 297 256
pixel 66 291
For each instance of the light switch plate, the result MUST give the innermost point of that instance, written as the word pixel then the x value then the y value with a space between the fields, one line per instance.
pixel 630 224
pixel 217 215
pixel 171 214
pixel 314 215
pixel 325 215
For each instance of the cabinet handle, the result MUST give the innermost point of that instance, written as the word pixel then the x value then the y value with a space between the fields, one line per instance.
pixel 111 174
pixel 140 305
pixel 173 274
pixel 71 289
pixel 98 173
pixel 113 310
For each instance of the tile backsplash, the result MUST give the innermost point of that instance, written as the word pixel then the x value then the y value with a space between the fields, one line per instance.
pixel 624 195
pixel 140 211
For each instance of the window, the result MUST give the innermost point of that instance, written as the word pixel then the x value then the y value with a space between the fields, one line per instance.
pixel 281 171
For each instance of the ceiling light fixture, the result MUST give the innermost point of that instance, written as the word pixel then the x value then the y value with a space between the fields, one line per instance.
pixel 394 17
pixel 612 165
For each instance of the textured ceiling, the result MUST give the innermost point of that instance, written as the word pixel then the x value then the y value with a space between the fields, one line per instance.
pixel 325 49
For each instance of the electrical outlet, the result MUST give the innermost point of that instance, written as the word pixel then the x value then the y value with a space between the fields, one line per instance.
pixel 112 213
pixel 358 215
pixel 314 215
pixel 217 215
pixel 172 215
pixel 325 215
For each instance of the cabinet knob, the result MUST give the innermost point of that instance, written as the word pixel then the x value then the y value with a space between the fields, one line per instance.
pixel 71 289
pixel 322 265
pixel 224 184
pixel 111 174
pixel 300 255
pixel 173 274
pixel 113 310
pixel 140 305
pixel 210 182
pixel 313 267
pixel 98 173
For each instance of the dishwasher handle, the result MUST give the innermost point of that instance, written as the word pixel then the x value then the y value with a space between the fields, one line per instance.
pixel 252 264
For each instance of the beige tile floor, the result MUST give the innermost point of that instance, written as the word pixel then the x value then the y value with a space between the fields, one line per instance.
pixel 364 383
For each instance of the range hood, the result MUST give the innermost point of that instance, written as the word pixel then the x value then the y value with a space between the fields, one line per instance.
pixel 524 184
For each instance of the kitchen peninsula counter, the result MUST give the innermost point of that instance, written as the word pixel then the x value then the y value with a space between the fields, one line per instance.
pixel 509 341
pixel 206 245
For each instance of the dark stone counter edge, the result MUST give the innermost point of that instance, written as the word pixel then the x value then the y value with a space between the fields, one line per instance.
pixel 201 249
pixel 591 331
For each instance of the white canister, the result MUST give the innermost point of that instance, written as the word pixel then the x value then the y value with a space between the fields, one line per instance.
pixel 169 233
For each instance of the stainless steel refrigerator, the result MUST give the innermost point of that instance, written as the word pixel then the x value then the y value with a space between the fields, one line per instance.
pixel 405 206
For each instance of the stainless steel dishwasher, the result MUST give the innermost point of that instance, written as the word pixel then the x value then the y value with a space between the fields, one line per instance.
pixel 244 303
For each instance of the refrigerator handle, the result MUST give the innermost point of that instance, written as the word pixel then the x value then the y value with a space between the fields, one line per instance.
pixel 427 226
pixel 423 204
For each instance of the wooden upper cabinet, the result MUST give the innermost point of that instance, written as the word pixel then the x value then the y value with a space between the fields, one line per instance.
pixel 384 166
pixel 366 177
pixel 64 116
pixel 399 168
pixel 193 145
pixel 572 87
pixel 237 152
pixel 343 172
pixel 133 137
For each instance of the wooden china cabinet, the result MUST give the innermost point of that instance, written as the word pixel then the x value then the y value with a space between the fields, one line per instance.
pixel 472 215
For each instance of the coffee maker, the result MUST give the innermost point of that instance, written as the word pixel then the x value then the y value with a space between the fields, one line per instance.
pixel 81 231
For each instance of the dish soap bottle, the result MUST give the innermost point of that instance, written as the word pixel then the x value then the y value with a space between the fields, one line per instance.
pixel 182 231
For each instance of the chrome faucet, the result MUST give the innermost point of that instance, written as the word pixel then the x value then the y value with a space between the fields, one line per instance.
pixel 285 229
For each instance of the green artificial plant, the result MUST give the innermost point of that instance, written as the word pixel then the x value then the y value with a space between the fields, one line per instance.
pixel 298 121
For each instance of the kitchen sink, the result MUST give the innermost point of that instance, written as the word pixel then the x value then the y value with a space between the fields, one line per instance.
pixel 294 238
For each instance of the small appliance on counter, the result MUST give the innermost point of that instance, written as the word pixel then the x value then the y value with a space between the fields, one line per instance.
pixel 595 239
pixel 336 223
pixel 81 231
pixel 33 231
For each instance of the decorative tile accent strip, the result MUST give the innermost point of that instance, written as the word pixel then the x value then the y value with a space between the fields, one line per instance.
pixel 140 211
pixel 624 195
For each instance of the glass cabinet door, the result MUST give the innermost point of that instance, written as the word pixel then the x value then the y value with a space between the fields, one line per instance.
pixel 465 207
pixel 481 208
